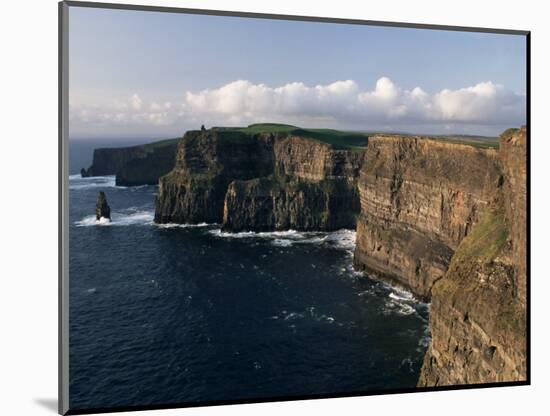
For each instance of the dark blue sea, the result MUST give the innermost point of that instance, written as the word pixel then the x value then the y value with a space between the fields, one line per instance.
pixel 171 314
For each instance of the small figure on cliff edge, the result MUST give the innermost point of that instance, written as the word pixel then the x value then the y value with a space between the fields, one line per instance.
pixel 102 209
pixel 202 128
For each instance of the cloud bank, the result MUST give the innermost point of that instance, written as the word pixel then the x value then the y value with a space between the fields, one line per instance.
pixel 340 104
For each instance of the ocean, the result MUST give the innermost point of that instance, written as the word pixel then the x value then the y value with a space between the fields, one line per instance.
pixel 166 314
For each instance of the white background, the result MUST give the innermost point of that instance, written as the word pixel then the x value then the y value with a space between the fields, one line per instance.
pixel 28 167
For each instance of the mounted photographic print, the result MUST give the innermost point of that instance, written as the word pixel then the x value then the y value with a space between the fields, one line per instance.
pixel 263 208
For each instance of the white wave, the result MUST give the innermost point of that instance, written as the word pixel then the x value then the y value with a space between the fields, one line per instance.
pixel 77 183
pixel 78 177
pixel 281 234
pixel 223 234
pixel 325 318
pixel 91 220
pixel 400 301
pixel 174 225
pixel 404 309
pixel 308 313
pixel 344 239
pixel 291 235
pixel 312 240
pixel 401 295
pixel 401 309
pixel 368 292
pixel 407 363
pixel 281 243
pixel 136 218
pixel 119 219
pixel 341 239
pixel 293 315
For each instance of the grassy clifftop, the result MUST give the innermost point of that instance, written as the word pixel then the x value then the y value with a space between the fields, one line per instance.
pixel 341 139
pixel 161 143
pixel 336 138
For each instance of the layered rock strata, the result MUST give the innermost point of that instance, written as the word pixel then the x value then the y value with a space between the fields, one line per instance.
pixel 419 198
pixel 478 311
pixel 134 165
pixel 260 182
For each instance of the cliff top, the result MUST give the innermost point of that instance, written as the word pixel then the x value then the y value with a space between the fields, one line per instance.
pixel 515 136
pixel 341 139
pixel 480 142
pixel 336 138
pixel 148 147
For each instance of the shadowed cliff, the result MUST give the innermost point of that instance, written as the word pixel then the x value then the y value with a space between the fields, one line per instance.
pixel 134 165
pixel 260 181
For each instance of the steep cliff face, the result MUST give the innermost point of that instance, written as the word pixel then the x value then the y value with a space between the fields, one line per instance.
pixel 109 161
pixel 513 156
pixel 147 170
pixel 419 198
pixel 134 165
pixel 313 161
pixel 478 311
pixel 260 182
pixel 272 203
pixel 206 162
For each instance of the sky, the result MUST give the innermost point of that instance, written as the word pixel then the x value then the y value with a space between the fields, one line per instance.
pixel 136 74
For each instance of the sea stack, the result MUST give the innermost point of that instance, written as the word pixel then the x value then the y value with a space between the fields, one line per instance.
pixel 102 209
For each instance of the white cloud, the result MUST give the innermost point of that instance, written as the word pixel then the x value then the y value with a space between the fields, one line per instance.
pixel 483 101
pixel 339 104
pixel 135 102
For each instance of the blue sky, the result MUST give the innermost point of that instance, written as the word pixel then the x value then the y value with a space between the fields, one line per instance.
pixel 148 74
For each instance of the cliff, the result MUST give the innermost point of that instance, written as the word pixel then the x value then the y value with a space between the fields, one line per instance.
pixel 134 165
pixel 419 198
pixel 206 163
pixel 147 169
pixel 260 181
pixel 478 311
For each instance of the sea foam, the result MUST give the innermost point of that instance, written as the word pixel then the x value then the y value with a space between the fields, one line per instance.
pixel 341 239
pixel 174 225
pixel 76 182
pixel 125 218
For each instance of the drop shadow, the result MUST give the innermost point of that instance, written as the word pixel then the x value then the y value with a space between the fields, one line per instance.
pixel 49 404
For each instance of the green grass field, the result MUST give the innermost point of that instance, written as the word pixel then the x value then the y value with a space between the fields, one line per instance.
pixel 160 143
pixel 336 138
pixel 475 141
pixel 339 139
